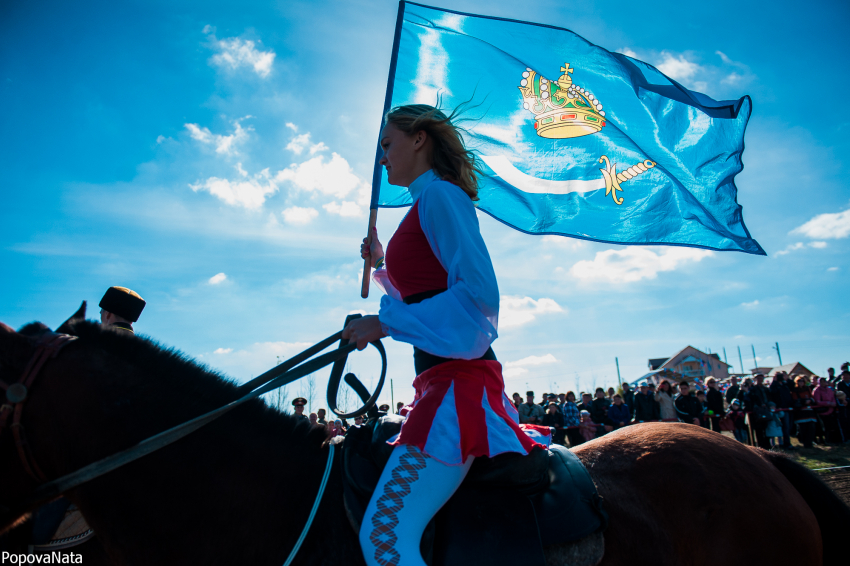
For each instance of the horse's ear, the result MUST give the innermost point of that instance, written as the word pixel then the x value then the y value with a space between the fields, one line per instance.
pixel 65 328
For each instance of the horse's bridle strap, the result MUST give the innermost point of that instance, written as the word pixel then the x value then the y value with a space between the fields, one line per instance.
pixel 48 347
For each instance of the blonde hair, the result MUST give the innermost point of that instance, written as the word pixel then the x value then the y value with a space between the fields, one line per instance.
pixel 449 157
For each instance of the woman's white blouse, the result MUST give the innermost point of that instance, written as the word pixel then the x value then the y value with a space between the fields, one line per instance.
pixel 463 321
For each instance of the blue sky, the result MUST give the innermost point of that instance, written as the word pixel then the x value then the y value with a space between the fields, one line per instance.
pixel 216 157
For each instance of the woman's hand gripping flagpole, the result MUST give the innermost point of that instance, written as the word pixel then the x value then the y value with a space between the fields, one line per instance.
pixel 367 263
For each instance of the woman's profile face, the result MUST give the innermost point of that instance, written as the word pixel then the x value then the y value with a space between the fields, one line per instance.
pixel 401 155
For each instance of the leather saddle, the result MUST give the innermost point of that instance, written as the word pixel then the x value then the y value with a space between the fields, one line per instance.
pixel 506 511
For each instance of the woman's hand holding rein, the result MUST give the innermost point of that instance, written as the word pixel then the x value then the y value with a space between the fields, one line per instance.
pixel 363 330
pixel 372 251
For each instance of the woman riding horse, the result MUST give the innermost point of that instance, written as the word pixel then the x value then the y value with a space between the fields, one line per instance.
pixel 442 298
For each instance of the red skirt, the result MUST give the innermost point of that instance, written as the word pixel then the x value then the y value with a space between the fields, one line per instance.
pixel 461 410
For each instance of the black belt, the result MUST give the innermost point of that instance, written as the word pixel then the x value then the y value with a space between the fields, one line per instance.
pixel 423 360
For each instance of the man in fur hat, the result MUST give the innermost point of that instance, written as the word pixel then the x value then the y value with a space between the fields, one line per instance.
pixel 120 307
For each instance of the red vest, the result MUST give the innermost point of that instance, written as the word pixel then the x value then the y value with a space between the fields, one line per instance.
pixel 411 264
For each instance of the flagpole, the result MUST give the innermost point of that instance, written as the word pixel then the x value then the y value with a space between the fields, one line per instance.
pixel 376 174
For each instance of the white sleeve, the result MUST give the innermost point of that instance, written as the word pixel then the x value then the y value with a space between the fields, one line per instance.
pixel 463 321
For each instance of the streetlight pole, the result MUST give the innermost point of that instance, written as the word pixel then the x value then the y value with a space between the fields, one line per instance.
pixel 779 355
pixel 741 359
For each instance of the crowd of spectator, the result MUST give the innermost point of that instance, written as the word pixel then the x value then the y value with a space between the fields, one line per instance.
pixel 767 415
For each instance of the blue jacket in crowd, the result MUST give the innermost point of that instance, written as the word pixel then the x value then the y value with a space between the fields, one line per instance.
pixel 619 414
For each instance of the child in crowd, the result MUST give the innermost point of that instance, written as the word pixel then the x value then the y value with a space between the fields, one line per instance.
pixel 774 425
pixel 618 415
pixel 738 419
pixel 587 428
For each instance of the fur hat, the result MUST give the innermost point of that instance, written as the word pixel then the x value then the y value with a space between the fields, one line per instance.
pixel 124 302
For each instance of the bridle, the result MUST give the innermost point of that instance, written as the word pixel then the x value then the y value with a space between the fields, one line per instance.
pixel 47 347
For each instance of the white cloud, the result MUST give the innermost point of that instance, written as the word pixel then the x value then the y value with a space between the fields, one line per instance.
pixel 333 280
pixel 789 249
pixel 800 246
pixel 299 143
pixel 628 52
pixel 256 358
pixel 292 126
pixel 732 79
pixel 346 208
pixel 833 269
pixel 299 216
pixel 678 68
pixel 520 367
pixel 725 58
pixel 223 144
pixel 564 242
pixel 826 226
pixel 315 148
pixel 331 177
pixel 517 311
pixel 634 263
pixel 751 305
pixel 508 373
pixel 249 192
pixel 217 278
pixel 533 361
pixel 234 53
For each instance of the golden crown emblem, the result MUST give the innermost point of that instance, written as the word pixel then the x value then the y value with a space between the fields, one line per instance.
pixel 561 109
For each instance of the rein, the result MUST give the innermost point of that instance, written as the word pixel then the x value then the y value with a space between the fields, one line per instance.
pixel 283 374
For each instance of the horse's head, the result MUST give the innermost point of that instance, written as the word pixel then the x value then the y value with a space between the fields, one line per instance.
pixel 16 349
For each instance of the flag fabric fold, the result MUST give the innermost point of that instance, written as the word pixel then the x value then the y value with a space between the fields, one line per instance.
pixel 573 139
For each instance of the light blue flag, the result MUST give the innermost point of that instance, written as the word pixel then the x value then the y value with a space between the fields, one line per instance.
pixel 575 140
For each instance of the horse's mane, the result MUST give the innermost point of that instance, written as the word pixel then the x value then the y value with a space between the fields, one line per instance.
pixel 34 329
pixel 187 377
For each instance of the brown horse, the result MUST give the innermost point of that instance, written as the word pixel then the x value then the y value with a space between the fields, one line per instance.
pixel 239 490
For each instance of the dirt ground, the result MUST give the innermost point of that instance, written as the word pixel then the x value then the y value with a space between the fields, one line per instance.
pixel 830 462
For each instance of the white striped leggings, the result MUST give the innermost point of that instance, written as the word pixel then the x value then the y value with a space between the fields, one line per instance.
pixel 412 488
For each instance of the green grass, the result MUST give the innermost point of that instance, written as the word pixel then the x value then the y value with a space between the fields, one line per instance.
pixel 821 456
